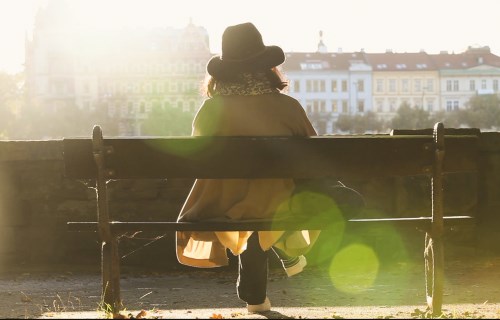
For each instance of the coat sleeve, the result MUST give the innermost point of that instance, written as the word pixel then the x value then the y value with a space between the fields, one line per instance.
pixel 206 119
pixel 306 128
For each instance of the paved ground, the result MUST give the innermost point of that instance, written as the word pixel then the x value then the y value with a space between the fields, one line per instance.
pixel 472 290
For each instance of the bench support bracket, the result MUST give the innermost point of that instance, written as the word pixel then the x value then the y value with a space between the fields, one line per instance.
pixel 433 254
pixel 110 258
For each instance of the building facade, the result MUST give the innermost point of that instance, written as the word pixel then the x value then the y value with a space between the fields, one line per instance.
pixel 127 73
pixel 329 84
pixel 123 73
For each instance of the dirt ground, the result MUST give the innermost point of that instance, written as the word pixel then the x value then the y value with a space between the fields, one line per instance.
pixel 472 290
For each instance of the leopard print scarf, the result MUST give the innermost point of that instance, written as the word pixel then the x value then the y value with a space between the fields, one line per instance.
pixel 249 84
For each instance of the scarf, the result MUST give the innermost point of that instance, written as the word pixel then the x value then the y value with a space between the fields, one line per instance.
pixel 249 84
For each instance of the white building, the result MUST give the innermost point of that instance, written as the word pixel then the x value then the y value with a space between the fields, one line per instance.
pixel 462 76
pixel 329 84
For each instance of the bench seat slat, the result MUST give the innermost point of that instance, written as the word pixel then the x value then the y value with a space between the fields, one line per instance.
pixel 319 224
pixel 359 156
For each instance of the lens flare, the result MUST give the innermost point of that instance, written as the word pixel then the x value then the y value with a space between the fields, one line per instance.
pixel 354 268
pixel 183 147
pixel 318 209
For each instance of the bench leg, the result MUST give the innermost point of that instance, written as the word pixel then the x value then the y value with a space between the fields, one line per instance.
pixel 434 273
pixel 110 270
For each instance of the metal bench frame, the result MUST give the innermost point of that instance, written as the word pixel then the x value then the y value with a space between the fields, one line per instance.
pixel 106 159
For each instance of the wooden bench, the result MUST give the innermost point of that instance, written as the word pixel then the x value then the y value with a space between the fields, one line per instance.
pixel 431 153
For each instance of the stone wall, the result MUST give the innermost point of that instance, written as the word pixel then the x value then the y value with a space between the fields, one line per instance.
pixel 36 201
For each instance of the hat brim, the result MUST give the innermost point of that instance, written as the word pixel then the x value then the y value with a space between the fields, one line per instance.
pixel 271 57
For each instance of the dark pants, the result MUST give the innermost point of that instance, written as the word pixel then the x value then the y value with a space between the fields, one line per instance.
pixel 252 273
pixel 253 270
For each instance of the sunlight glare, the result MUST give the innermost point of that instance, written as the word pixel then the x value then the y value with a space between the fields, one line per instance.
pixel 354 268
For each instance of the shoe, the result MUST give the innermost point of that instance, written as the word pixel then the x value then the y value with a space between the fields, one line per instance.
pixel 263 307
pixel 296 267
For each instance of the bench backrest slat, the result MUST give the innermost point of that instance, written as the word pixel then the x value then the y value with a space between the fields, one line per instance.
pixel 269 157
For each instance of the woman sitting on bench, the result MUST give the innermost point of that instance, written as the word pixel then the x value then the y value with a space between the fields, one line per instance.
pixel 245 99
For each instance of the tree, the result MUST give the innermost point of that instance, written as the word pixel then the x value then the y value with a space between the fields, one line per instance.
pixel 167 121
pixel 10 101
pixel 483 112
pixel 411 118
pixel 360 123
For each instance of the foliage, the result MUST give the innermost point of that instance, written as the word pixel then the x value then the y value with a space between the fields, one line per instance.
pixel 411 118
pixel 483 112
pixel 39 123
pixel 169 121
pixel 360 123
pixel 10 100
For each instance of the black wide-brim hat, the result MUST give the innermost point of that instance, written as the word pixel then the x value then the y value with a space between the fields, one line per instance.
pixel 243 51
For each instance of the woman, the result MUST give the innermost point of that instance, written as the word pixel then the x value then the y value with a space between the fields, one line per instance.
pixel 245 99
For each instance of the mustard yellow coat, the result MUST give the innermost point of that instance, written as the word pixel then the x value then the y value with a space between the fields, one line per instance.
pixel 273 114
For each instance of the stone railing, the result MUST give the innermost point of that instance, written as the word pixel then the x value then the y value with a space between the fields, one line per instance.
pixel 36 201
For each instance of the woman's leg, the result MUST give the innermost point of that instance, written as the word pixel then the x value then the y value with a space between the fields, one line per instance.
pixel 286 260
pixel 292 265
pixel 253 269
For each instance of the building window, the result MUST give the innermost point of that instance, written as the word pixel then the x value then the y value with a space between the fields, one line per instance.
pixel 344 85
pixel 430 85
pixel 380 105
pixel 296 85
pixel 392 85
pixel 452 105
pixel 495 85
pixel 418 85
pixel 392 105
pixel 380 85
pixel 315 85
pixel 322 105
pixel 361 86
pixel 345 108
pixel 430 105
pixel 483 84
pixel 448 85
pixel 455 85
pixel 315 106
pixel 405 85
pixel 334 85
pixel 335 108
pixel 472 85
pixel 361 106
pixel 309 106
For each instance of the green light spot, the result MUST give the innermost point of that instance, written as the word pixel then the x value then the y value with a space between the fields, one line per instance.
pixel 354 268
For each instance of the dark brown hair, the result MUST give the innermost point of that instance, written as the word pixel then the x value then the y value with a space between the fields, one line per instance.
pixel 274 75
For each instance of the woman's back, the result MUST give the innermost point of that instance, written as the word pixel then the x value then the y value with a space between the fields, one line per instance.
pixel 272 114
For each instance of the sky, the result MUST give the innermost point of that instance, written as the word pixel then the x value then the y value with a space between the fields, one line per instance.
pixel 352 25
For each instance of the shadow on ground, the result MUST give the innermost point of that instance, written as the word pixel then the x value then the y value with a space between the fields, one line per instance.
pixel 472 286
